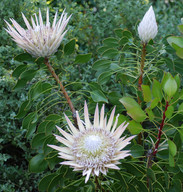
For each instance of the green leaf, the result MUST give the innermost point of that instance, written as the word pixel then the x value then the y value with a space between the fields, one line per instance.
pixel 169 111
pixel 150 48
pixel 104 77
pixel 115 67
pixel 127 34
pixel 98 96
pixel 38 140
pixel 50 139
pixel 132 188
pixel 94 86
pixel 40 61
pixel 180 109
pixel 172 148
pixel 129 103
pixel 181 167
pixel 177 79
pixel 134 169
pixel 110 42
pixel 69 47
pixel 146 93
pixel 38 164
pixel 177 44
pixel 154 103
pixel 141 185
pixel 170 87
pixel 53 159
pixel 158 186
pixel 157 90
pixel 23 110
pixel 83 58
pixel 137 114
pixel 181 133
pixel 150 114
pixel 175 40
pixel 20 84
pixel 54 183
pixel 39 88
pixel 166 76
pixel 110 53
pixel 171 160
pixel 137 151
pixel 29 124
pixel 150 174
pixel 180 27
pixel 24 57
pixel 123 41
pixel 101 49
pixel 176 185
pixel 119 32
pixel 20 69
pixel 42 126
pixel 45 181
pixel 24 77
pixel 50 127
pixel 133 109
pixel 119 176
pixel 102 64
pixel 114 97
pixel 53 117
pixel 59 54
pixel 135 127
pixel 28 75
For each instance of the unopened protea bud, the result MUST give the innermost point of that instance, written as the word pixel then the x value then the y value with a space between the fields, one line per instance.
pixel 148 28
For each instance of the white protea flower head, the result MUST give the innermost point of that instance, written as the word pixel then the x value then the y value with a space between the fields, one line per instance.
pixel 40 40
pixel 148 28
pixel 93 148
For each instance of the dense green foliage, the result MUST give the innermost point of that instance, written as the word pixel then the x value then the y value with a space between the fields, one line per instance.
pixel 91 30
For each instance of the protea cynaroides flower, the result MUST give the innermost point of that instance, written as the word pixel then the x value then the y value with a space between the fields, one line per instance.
pixel 39 39
pixel 93 148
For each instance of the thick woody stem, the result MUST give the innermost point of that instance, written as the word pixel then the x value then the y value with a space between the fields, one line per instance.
pixel 140 81
pixel 50 68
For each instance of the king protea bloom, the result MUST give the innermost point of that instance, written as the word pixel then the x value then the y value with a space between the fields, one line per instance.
pixel 93 148
pixel 40 39
pixel 148 28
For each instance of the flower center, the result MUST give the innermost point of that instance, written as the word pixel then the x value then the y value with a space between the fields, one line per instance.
pixel 94 147
pixel 92 143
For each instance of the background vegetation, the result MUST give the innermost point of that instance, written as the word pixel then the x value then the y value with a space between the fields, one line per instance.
pixel 92 21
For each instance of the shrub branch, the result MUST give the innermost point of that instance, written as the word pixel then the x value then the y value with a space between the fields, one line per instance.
pixel 50 68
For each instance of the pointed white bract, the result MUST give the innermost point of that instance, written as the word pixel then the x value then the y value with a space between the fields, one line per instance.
pixel 41 39
pixel 148 28
pixel 93 148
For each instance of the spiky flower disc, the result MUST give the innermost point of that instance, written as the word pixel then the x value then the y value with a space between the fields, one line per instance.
pixel 40 40
pixel 148 28
pixel 94 148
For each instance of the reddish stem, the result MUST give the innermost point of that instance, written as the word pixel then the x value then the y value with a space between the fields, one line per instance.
pixel 160 130
pixel 140 81
pixel 50 68
pixel 153 154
